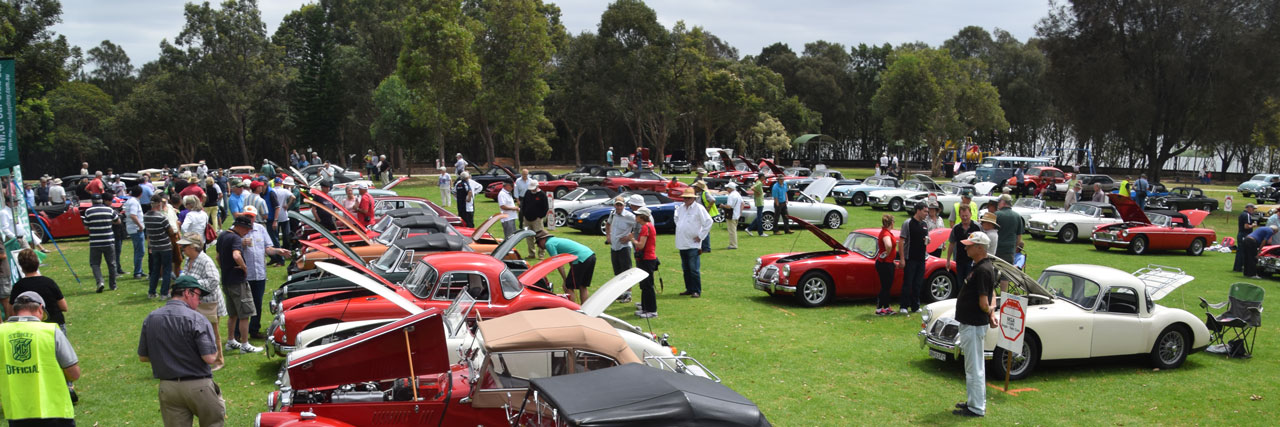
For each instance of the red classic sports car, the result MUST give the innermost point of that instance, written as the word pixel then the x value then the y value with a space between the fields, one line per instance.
pixel 739 171
pixel 1039 178
pixel 644 180
pixel 772 172
pixel 1143 232
pixel 62 220
pixel 434 281
pixel 847 270
pixel 1269 260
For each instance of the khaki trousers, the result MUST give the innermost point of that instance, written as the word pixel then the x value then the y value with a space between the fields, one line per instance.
pixel 535 226
pixel 733 232
pixel 210 311
pixel 181 400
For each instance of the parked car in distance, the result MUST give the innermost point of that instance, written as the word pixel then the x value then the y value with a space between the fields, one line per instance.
pixel 593 219
pixel 1106 183
pixel 1067 225
pixel 496 173
pixel 65 220
pixel 1184 198
pixel 816 278
pixel 1081 312
pixel 856 195
pixel 1254 184
pixel 999 169
pixel 677 162
pixel 950 195
pixel 1025 207
pixel 577 199
pixel 895 199
pixel 598 176
pixel 1037 179
pixel 581 171
pixel 807 205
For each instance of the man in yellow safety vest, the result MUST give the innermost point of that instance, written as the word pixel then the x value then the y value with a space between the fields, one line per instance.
pixel 38 363
pixel 966 201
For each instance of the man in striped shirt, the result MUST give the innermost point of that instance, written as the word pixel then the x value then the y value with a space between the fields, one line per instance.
pixel 98 219
pixel 159 247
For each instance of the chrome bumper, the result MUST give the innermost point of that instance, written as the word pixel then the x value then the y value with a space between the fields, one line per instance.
pixel 1045 231
pixel 773 287
pixel 949 348
pixel 1108 239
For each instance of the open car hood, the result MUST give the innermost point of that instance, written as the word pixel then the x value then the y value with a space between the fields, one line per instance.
pixel 1195 216
pixel 921 178
pixel 726 160
pixel 611 290
pixel 820 188
pixel 381 289
pixel 345 218
pixel 774 168
pixel 983 188
pixel 407 346
pixel 334 240
pixel 749 164
pixel 536 272
pixel 1018 279
pixel 822 235
pixel 1129 211
pixel 484 226
pixel 509 243
pixel 937 237
pixel 393 184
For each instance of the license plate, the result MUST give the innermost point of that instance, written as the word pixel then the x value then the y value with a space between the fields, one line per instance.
pixel 762 286
pixel 937 355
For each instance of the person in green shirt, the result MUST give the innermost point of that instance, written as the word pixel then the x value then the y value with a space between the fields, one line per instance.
pixel 580 270
pixel 1010 230
pixel 757 194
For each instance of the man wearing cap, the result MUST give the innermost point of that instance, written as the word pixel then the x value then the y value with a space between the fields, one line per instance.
pixel 914 240
pixel 976 312
pixel 534 210
pixel 98 219
pixel 992 229
pixel 619 229
pixel 783 221
pixel 507 205
pixel 364 206
pixel 40 364
pixel 235 201
pixel 701 176
pixel 179 344
pixel 254 198
pixel 1010 229
pixel 966 203
pixel 733 212
pixel 202 171
pixel 235 283
pixel 757 195
pixel 284 198
pixel 134 227
pixel 692 224
pixel 580 270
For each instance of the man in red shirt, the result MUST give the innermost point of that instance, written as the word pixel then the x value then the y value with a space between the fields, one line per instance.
pixel 95 185
pixel 193 189
pixel 364 208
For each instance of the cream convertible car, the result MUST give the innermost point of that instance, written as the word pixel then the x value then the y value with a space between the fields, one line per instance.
pixel 1079 311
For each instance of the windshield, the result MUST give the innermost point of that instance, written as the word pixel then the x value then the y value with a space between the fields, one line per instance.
pixel 862 243
pixel 574 194
pixel 1158 219
pixel 420 279
pixel 871 182
pixel 1079 291
pixel 456 315
pixel 1259 177
pixel 1084 209
pixel 511 286
pixel 988 163
pixel 913 186
pixel 382 224
pixel 1029 203
pixel 389 236
pixel 389 258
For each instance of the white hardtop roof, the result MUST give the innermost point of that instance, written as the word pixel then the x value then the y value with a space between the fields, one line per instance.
pixel 1101 274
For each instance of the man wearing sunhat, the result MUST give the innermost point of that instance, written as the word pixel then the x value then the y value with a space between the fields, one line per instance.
pixel 179 344
pixel 581 269
pixel 976 312
pixel 709 204
pixel 992 229
pixel 692 225
pixel 39 366
pixel 57 193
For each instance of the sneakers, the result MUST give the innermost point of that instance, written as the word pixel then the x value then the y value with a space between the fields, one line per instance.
pixel 696 295
pixel 249 348
pixel 625 298
pixel 100 288
pixel 904 311
pixel 648 314
pixel 686 293
pixel 966 412
pixel 113 287
pixel 151 296
pixel 231 345
pixel 639 306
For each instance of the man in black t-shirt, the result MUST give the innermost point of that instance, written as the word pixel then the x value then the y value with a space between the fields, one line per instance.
pixel 959 232
pixel 46 287
pixel 975 310
pixel 235 286
pixel 914 238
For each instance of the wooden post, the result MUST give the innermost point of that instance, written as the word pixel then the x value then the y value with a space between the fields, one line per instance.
pixel 1008 365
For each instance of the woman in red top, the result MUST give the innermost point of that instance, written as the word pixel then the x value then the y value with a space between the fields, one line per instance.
pixel 886 259
pixel 646 246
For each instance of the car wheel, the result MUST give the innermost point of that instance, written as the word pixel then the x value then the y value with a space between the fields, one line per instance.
pixel 895 205
pixel 814 289
pixel 38 231
pixel 1023 364
pixel 768 221
pixel 1173 207
pixel 719 218
pixel 859 199
pixel 561 191
pixel 1197 247
pixel 1139 245
pixel 562 218
pixel 1171 348
pixel 1068 234
pixel 833 220
pixel 604 224
pixel 940 286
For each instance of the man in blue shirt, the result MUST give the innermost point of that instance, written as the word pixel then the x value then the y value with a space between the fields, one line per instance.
pixel 1244 226
pixel 1250 244
pixel 780 206
pixel 1139 191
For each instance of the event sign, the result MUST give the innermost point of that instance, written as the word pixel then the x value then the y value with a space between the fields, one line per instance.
pixel 1013 323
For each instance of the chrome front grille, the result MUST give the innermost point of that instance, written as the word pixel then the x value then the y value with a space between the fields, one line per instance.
pixel 769 274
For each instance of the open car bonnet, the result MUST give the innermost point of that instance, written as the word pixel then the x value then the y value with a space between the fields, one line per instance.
pixel 509 243
pixel 921 178
pixel 484 227
pixel 333 240
pixel 536 272
pixel 377 355
pixel 355 228
pixel 822 235
pixel 1195 216
pixel 1020 282
pixel 1162 280
pixel 611 290
pixel 393 184
pixel 774 168
pixel 983 188
pixel 1129 211
pixel 750 165
pixel 366 279
pixel 820 188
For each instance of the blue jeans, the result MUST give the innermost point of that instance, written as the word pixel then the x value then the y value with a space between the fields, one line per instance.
pixel 912 279
pixel 161 270
pixel 691 263
pixel 138 249
pixel 975 372
pixel 755 223
pixel 257 288
pixel 275 241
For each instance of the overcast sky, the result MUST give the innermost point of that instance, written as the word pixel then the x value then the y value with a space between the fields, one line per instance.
pixel 749 25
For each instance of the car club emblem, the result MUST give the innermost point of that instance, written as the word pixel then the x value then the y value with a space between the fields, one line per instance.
pixel 20 348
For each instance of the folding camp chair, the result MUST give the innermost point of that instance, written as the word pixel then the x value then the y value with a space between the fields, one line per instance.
pixel 1234 331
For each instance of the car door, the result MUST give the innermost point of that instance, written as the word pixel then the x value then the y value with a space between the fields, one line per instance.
pixel 1118 327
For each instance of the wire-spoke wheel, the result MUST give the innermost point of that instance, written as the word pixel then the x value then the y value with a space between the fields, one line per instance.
pixel 1171 348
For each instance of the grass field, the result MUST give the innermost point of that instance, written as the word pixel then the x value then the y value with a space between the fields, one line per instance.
pixel 836 365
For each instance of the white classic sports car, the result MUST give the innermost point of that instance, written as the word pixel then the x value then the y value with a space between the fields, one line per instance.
pixel 579 198
pixel 950 195
pixel 896 199
pixel 1027 206
pixel 808 205
pixel 1067 225
pixel 1078 311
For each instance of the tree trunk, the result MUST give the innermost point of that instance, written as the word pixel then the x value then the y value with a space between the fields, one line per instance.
pixel 515 151
pixel 577 146
pixel 240 136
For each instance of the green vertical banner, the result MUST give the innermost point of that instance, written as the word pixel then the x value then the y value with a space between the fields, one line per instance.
pixel 8 109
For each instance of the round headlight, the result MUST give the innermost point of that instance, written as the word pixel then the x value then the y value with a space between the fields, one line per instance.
pixel 1054 223
pixel 584 215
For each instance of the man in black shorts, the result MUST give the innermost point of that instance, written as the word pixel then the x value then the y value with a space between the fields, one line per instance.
pixel 235 286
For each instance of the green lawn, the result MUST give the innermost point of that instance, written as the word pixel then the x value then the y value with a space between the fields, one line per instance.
pixel 837 365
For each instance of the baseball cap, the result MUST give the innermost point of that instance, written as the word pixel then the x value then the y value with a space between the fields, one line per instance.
pixel 533 184
pixel 250 210
pixel 288 181
pixel 635 200
pixel 187 282
pixel 977 238
pixel 257 184
pixel 243 221
pixel 29 297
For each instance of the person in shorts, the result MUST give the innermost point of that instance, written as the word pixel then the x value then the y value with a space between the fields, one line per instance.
pixel 580 270
pixel 235 285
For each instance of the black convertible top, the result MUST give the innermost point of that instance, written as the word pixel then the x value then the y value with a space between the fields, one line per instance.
pixel 407 212
pixel 638 395
pixel 438 242
pixel 423 222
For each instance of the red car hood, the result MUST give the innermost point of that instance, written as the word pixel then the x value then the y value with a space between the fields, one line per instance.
pixel 356 228
pixel 392 351
pixel 1128 209
pixel 822 235
pixel 535 273
pixel 1195 216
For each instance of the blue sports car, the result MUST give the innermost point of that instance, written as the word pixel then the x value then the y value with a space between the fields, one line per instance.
pixel 593 219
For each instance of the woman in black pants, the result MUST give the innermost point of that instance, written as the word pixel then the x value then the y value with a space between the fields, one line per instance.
pixel 646 245
pixel 886 264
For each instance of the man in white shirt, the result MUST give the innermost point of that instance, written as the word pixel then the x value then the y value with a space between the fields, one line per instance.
pixel 202 171
pixel 507 205
pixel 57 194
pixel 134 228
pixel 619 231
pixel 459 166
pixel 733 208
pixel 522 186
pixel 692 222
